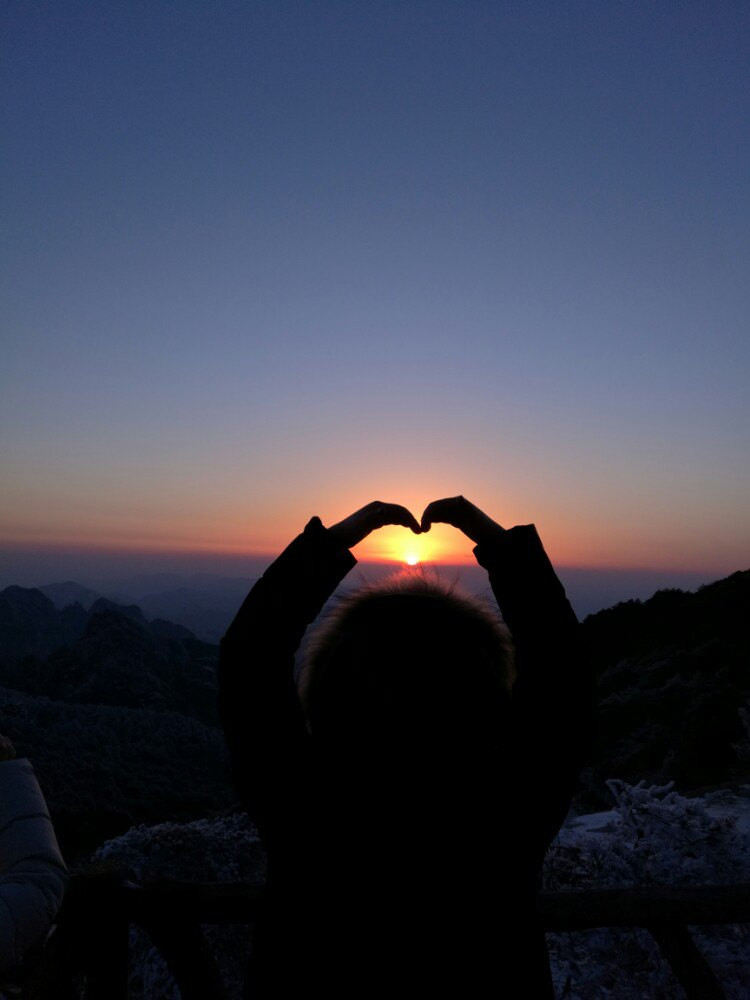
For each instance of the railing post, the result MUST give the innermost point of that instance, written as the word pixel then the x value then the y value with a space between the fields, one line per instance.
pixel 108 952
pixel 87 956
pixel 692 970
pixel 184 948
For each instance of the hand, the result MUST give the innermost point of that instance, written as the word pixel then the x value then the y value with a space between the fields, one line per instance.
pixel 357 526
pixel 7 750
pixel 458 512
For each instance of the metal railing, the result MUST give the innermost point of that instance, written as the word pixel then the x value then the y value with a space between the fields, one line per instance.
pixel 87 958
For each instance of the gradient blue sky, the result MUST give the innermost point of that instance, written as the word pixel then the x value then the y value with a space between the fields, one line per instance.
pixel 266 260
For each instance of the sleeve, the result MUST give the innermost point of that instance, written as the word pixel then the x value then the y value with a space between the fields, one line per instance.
pixel 33 875
pixel 258 703
pixel 553 702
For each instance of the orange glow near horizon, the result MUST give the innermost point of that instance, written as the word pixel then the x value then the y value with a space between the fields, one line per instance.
pixel 441 544
pixel 233 533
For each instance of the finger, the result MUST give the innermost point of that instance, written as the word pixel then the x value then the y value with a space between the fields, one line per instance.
pixel 394 513
pixel 441 512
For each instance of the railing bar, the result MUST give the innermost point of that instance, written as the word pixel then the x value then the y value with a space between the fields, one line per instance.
pixel 565 910
pixel 581 909
pixel 98 914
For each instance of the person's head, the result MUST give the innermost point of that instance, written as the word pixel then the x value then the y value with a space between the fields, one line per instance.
pixel 411 663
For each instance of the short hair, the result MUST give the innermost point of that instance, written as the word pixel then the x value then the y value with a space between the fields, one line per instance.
pixel 410 658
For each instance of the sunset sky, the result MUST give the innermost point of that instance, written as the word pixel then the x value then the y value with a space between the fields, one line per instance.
pixel 264 260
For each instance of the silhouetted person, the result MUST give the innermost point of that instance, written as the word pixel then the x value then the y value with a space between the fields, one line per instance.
pixel 407 786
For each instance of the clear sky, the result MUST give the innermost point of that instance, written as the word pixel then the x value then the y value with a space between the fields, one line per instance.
pixel 263 260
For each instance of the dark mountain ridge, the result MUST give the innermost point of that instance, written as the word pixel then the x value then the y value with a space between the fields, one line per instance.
pixel 673 682
pixel 117 714
pixel 671 618
pixel 30 625
pixel 108 655
pixel 69 592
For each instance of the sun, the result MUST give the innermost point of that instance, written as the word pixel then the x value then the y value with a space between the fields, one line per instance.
pixel 412 559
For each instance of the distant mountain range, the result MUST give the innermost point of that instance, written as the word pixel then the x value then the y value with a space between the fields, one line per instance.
pixel 106 655
pixel 205 605
pixel 118 712
pixel 206 602
pixel 64 594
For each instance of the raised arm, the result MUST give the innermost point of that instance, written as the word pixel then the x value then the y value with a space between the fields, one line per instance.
pixel 552 695
pixel 258 703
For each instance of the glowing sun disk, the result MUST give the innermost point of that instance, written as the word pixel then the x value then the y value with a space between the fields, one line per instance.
pixel 441 544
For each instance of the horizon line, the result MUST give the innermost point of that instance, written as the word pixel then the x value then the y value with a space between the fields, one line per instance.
pixel 233 553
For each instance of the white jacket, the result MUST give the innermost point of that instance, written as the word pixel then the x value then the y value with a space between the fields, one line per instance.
pixel 33 875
